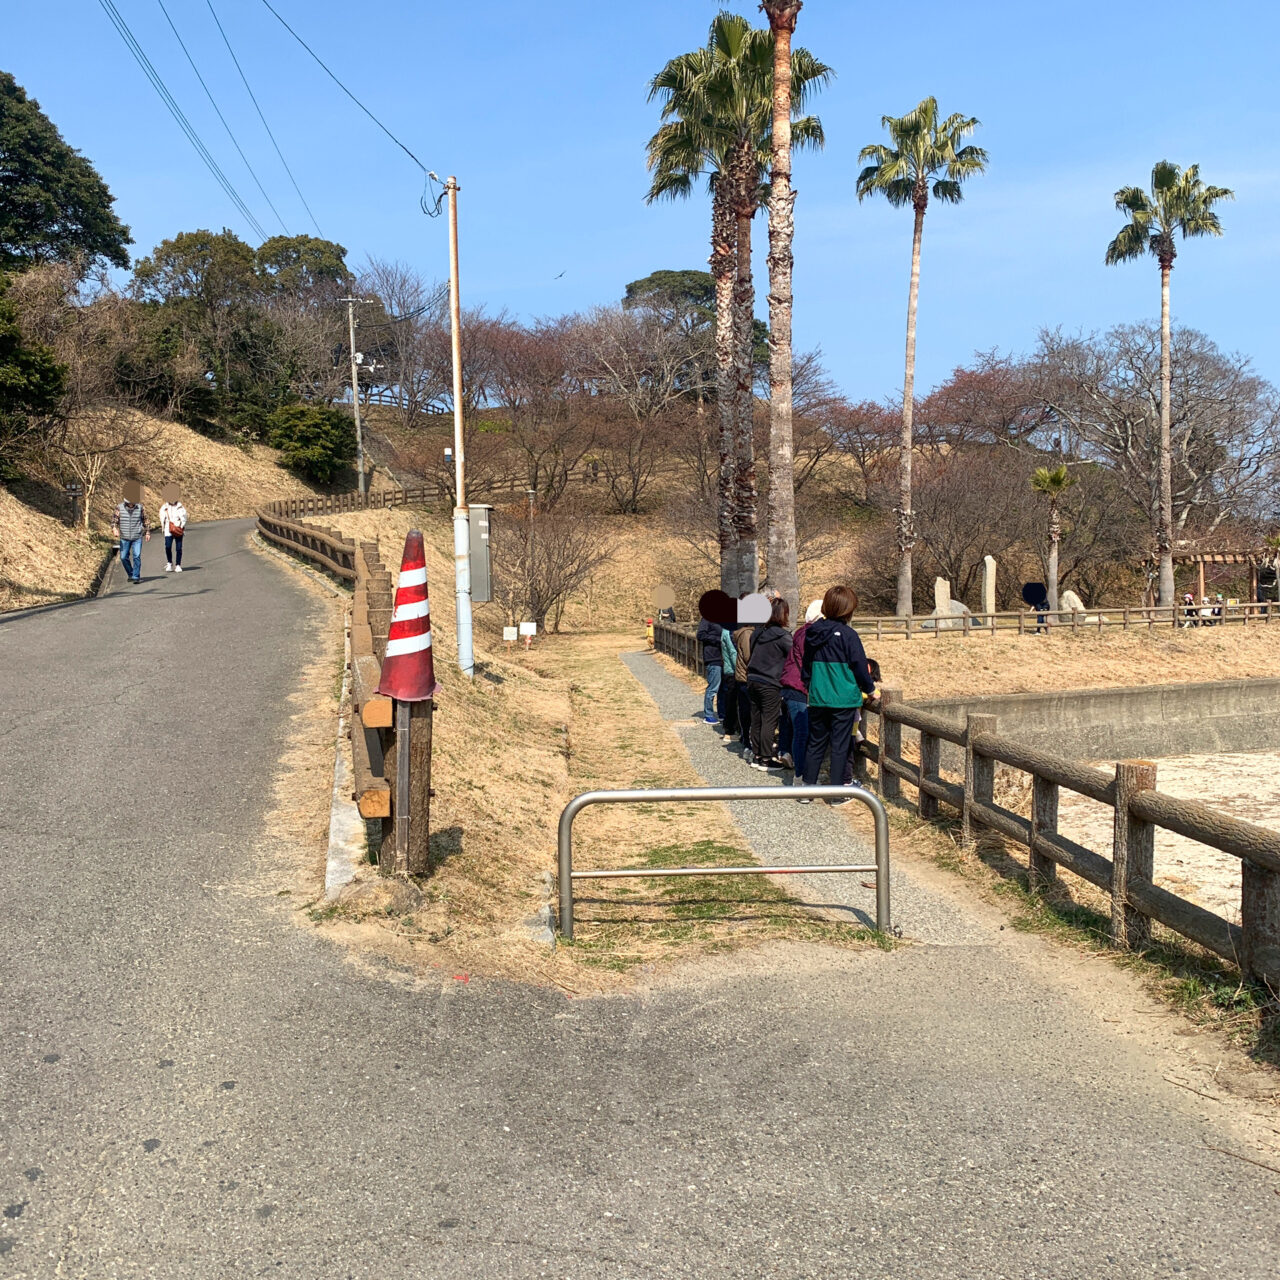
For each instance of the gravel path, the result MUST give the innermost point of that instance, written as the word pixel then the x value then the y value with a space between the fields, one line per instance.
pixel 785 834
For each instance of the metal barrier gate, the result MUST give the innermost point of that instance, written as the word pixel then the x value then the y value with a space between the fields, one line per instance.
pixel 568 875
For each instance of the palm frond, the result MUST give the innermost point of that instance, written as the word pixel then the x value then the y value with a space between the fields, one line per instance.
pixel 1131 242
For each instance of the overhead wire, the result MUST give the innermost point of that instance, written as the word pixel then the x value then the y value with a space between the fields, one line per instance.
pixel 430 201
pixel 157 83
pixel 225 125
pixel 263 118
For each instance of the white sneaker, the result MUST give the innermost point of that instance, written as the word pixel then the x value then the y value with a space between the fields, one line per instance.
pixel 177 568
pixel 168 568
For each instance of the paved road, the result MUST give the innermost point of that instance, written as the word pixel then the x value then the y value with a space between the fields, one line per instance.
pixel 191 1086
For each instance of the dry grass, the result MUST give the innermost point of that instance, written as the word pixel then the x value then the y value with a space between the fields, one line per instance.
pixel 41 560
pixel 508 752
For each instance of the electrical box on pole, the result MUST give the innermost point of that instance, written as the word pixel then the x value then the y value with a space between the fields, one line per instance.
pixel 481 561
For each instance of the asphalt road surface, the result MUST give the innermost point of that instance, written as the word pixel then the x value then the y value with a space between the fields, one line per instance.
pixel 192 1086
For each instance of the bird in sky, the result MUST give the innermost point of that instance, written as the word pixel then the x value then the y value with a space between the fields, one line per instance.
pixel 562 273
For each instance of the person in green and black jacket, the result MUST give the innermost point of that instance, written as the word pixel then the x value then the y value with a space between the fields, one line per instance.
pixel 836 676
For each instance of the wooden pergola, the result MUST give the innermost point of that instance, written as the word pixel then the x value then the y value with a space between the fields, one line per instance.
pixel 1201 558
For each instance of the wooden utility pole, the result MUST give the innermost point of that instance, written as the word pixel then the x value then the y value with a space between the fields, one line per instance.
pixel 355 393
pixel 461 516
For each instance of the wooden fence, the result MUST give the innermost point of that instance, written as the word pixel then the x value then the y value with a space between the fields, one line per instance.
pixel 375 743
pixel 513 488
pixel 1130 792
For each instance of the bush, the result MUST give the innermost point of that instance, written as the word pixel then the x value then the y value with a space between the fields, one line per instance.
pixel 315 441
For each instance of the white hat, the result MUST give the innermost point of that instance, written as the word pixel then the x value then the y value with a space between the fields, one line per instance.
pixel 814 611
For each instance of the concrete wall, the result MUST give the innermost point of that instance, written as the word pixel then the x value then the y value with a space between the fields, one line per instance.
pixel 1118 724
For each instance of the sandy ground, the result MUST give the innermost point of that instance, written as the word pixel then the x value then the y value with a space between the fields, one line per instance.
pixel 1243 784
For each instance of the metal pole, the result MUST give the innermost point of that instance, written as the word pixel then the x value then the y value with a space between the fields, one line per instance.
pixel 533 493
pixel 461 517
pixel 355 392
pixel 403 806
pixel 578 803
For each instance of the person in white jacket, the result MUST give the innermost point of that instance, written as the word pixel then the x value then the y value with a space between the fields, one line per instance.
pixel 173 523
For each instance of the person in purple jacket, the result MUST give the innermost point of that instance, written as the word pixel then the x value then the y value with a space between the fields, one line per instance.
pixel 793 736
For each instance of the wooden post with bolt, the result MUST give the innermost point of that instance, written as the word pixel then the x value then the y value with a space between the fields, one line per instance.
pixel 1132 854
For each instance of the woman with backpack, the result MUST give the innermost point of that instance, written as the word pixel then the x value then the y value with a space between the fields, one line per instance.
pixel 836 676
pixel 770 646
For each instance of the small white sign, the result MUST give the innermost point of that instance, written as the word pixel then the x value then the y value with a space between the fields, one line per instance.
pixel 510 633
pixel 528 628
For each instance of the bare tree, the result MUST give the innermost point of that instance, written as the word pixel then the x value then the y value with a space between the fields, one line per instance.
pixel 637 368
pixel 1224 421
pixel 540 562
pixel 535 384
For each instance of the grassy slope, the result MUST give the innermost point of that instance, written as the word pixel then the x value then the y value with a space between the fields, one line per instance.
pixel 42 561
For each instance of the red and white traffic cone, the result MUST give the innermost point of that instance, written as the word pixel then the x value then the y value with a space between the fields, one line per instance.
pixel 408 671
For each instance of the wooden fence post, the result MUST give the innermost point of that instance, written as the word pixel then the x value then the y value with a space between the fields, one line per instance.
pixel 930 767
pixel 1260 922
pixel 979 772
pixel 419 807
pixel 1043 871
pixel 889 784
pixel 1132 854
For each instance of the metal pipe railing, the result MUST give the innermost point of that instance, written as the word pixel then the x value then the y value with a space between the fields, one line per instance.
pixel 664 795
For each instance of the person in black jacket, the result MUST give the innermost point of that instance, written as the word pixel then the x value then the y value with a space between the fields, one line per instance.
pixel 713 665
pixel 769 649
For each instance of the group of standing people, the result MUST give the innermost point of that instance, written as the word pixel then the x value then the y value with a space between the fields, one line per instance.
pixel 130 529
pixel 792 699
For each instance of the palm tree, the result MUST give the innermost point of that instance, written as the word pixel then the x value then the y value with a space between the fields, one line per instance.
pixel 1178 201
pixel 922 150
pixel 1052 483
pixel 718 107
pixel 784 569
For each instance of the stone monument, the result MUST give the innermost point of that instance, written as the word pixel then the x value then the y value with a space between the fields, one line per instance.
pixel 988 584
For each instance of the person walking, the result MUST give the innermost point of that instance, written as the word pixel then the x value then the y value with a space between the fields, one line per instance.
pixel 793 737
pixel 712 665
pixel 834 671
pixel 173 524
pixel 769 649
pixel 129 527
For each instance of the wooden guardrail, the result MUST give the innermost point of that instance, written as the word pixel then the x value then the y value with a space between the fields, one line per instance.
pixel 374 743
pixel 478 486
pixel 1130 792
pixel 675 638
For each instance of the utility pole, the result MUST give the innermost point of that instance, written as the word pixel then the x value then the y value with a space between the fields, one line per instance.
pixel 355 391
pixel 461 515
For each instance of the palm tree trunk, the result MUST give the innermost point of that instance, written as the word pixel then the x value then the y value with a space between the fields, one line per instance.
pixel 1164 534
pixel 1055 534
pixel 906 521
pixel 783 568
pixel 745 496
pixel 722 271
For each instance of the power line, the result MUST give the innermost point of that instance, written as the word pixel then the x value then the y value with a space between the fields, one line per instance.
pixel 221 117
pixel 263 118
pixel 157 83
pixel 430 206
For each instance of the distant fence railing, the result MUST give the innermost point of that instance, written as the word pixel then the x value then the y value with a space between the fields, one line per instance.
pixel 1138 809
pixel 327 504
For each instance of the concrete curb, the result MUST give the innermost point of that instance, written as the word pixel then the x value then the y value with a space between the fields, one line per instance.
pixel 348 832
pixel 113 578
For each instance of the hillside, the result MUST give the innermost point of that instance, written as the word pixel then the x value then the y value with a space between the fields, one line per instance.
pixel 43 561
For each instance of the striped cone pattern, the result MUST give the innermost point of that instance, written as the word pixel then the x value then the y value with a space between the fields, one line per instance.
pixel 408 672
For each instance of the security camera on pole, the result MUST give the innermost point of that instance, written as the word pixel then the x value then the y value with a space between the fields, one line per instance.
pixel 461 515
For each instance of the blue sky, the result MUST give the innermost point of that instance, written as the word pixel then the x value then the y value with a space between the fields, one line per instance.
pixel 540 110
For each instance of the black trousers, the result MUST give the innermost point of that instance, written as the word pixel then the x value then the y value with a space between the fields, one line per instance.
pixel 744 713
pixel 766 703
pixel 729 703
pixel 830 729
